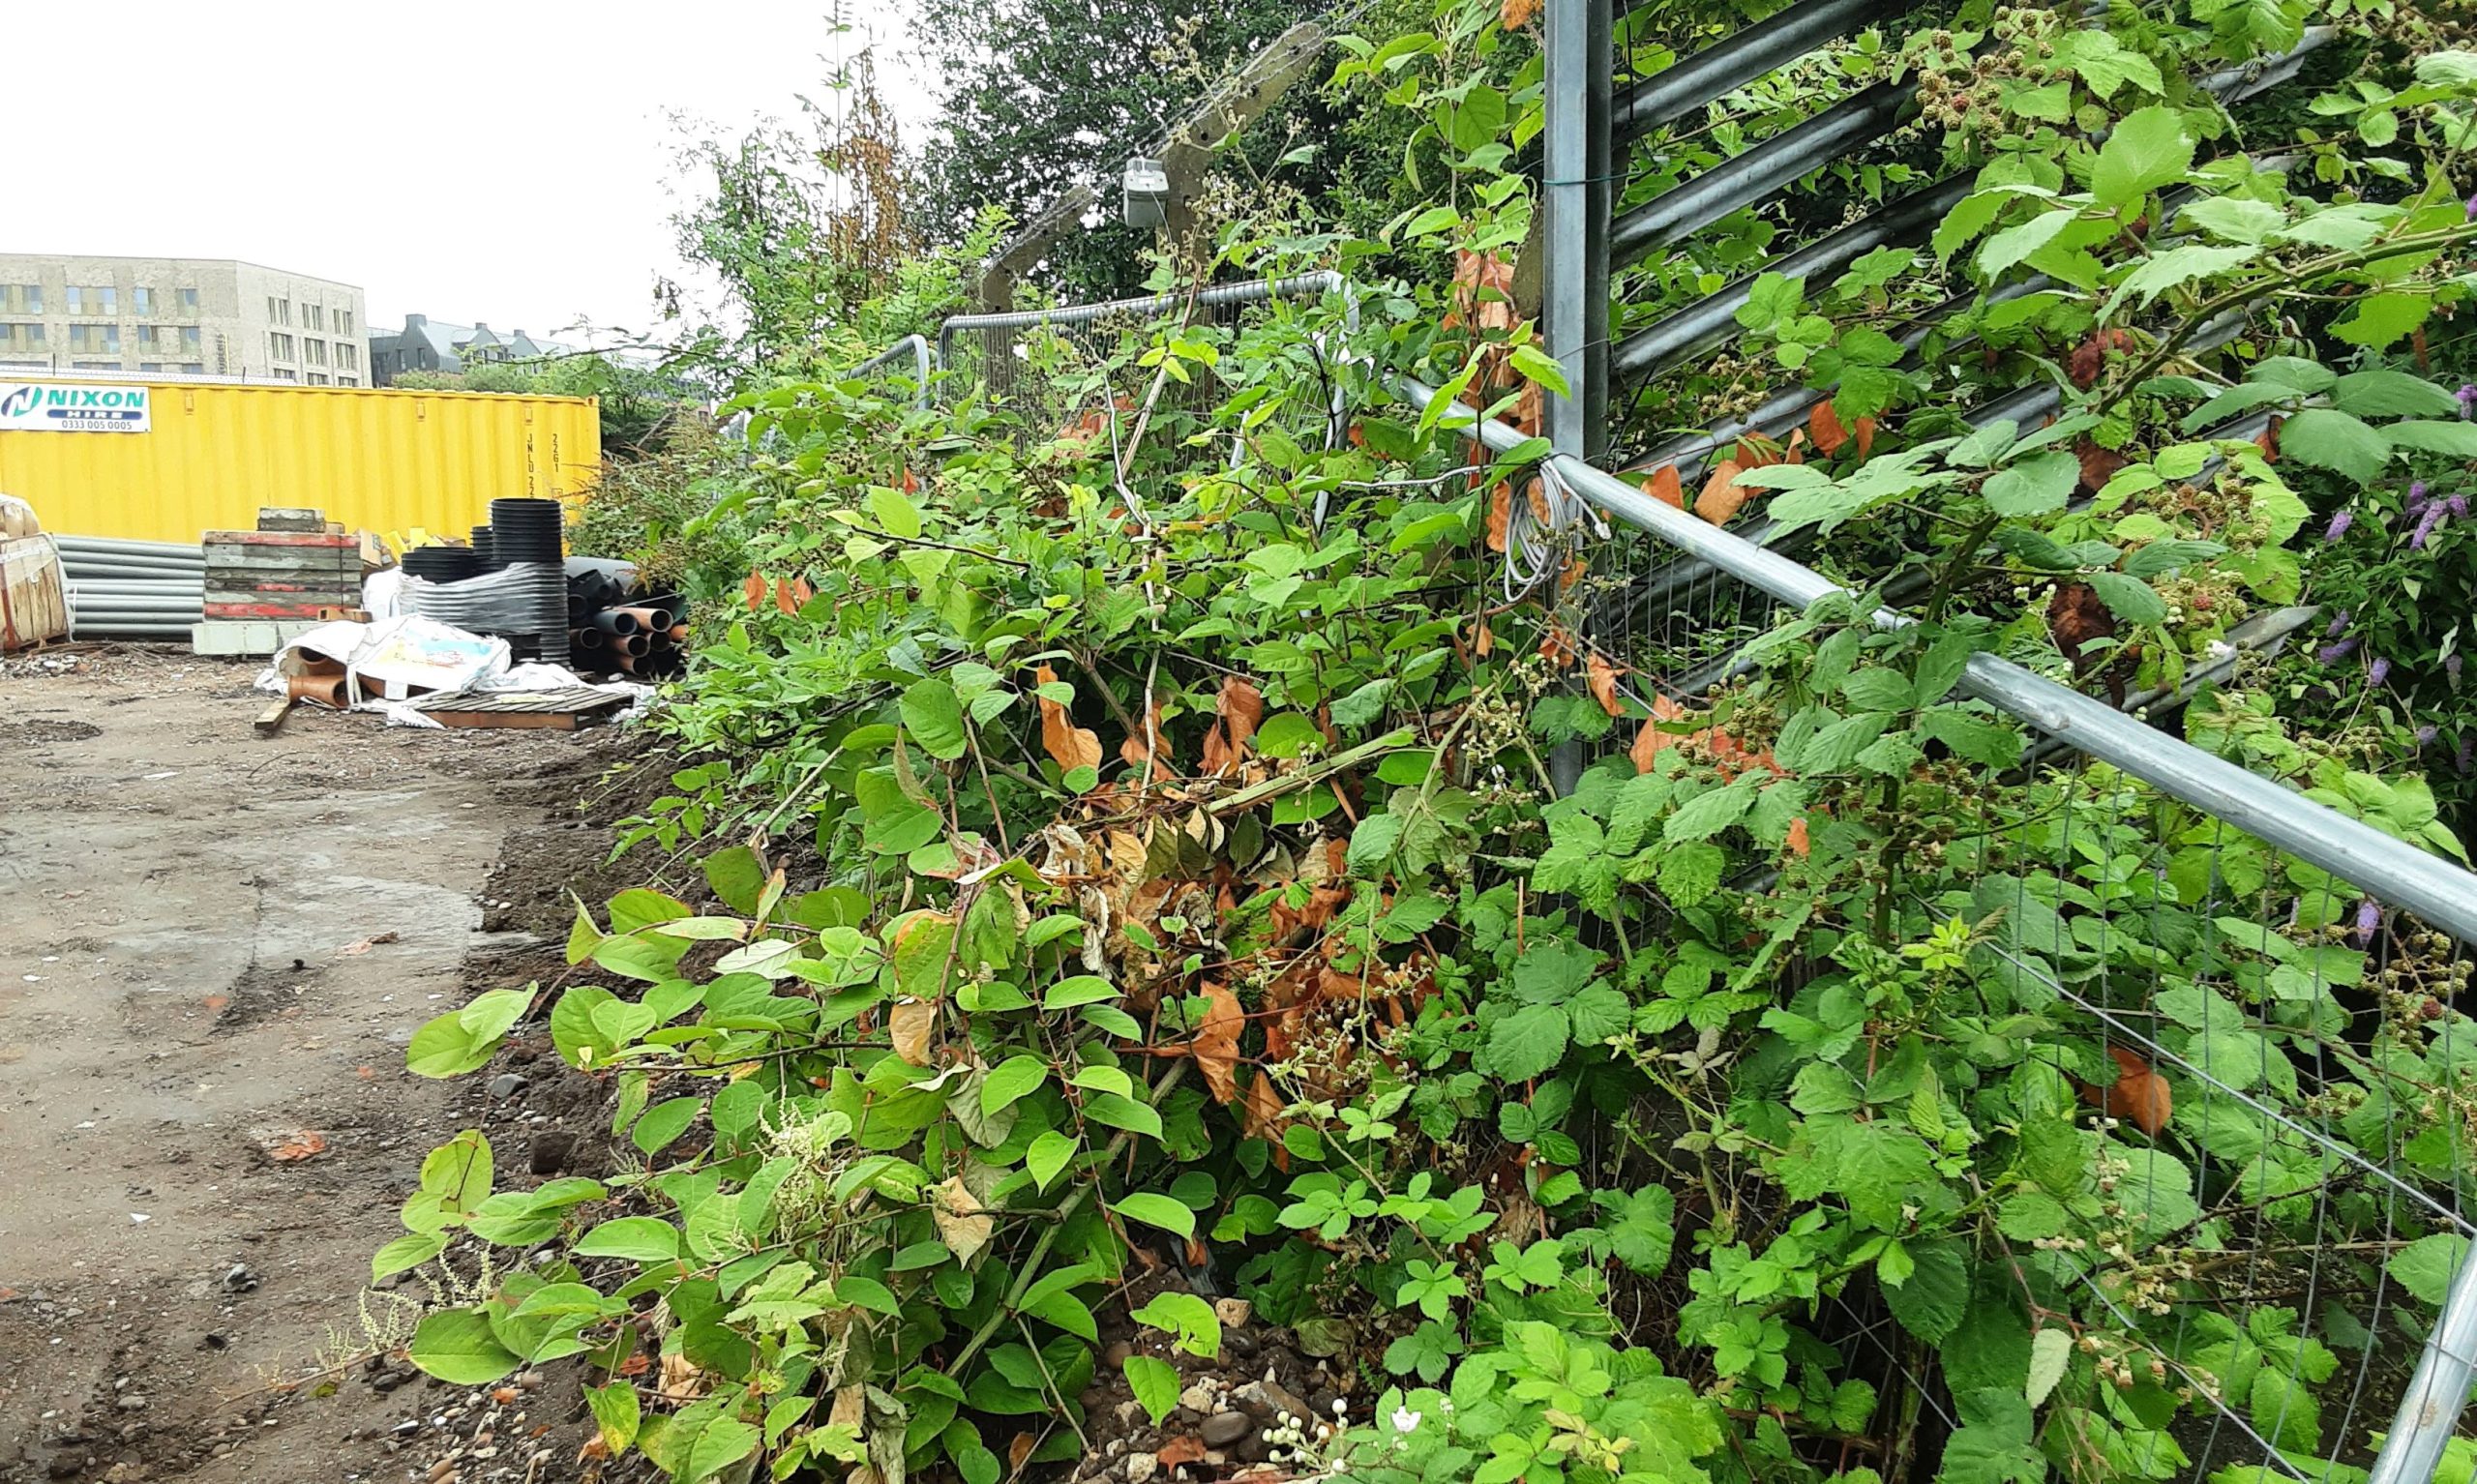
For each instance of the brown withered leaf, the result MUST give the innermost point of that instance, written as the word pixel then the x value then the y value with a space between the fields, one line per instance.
pixel 1216 1046
pixel 2268 440
pixel 2139 1095
pixel 1483 639
pixel 911 1026
pixel 1068 745
pixel 1601 676
pixel 1823 425
pixel 1500 515
pixel 1135 749
pixel 1865 430
pixel 1530 414
pixel 783 600
pixel 1721 498
pixel 1650 741
pixel 963 1223
pixel 1179 1450
pixel 2097 464
pixel 1557 649
pixel 1236 711
pixel 2076 615
pixel 1514 14
pixel 755 590
pixel 1664 487
pixel 1482 292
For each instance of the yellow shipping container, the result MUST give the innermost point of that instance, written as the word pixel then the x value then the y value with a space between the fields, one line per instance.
pixel 212 453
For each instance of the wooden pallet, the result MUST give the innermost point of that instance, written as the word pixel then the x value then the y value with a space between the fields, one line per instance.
pixel 561 710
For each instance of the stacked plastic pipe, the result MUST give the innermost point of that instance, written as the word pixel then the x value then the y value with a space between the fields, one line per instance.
pixel 133 589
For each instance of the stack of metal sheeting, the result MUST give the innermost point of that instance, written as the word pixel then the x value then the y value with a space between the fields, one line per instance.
pixel 525 604
pixel 133 589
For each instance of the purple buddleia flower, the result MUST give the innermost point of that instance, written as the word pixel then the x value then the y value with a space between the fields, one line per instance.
pixel 2426 525
pixel 2339 524
pixel 2378 671
pixel 2467 395
pixel 2451 668
pixel 2416 491
pixel 2339 622
pixel 2472 208
pixel 2458 504
pixel 2467 752
pixel 2333 654
pixel 2369 918
pixel 2424 736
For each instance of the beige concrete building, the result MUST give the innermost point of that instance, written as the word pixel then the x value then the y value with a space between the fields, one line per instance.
pixel 174 315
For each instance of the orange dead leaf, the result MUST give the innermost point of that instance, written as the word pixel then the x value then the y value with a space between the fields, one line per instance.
pixel 1797 843
pixel 1865 428
pixel 753 590
pixel 1236 711
pixel 1516 14
pixel 783 601
pixel 1823 425
pixel 1500 515
pixel 1602 679
pixel 1722 498
pixel 1179 1450
pixel 1574 570
pixel 1216 1046
pixel 911 483
pixel 1557 649
pixel 1754 451
pixel 1483 639
pixel 1482 292
pixel 1019 1448
pixel 1138 746
pixel 294 1145
pixel 1650 741
pixel 2139 1095
pixel 1664 487
pixel 2268 440
pixel 1068 745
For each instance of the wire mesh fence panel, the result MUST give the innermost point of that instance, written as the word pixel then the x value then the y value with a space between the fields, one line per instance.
pixel 1088 370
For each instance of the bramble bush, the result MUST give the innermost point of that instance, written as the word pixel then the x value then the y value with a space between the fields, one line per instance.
pixel 1130 843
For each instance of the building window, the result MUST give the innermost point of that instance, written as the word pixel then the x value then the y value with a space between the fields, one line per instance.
pixel 313 316
pixel 96 365
pixel 153 366
pixel 286 373
pixel 278 310
pixel 347 381
pixel 104 338
pixel 317 378
pixel 190 337
pixel 188 300
pixel 143 301
pixel 84 299
pixel 195 368
pixel 28 336
pixel 29 298
pixel 313 352
pixel 343 321
pixel 347 356
pixel 280 347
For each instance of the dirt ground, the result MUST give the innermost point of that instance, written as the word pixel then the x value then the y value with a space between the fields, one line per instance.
pixel 213 948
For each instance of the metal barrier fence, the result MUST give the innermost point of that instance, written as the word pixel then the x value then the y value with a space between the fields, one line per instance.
pixel 1692 595
pixel 1747 588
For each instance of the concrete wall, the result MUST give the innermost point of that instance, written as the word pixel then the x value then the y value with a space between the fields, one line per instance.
pixel 239 311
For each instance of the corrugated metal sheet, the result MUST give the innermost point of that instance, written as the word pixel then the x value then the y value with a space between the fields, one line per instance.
pixel 375 459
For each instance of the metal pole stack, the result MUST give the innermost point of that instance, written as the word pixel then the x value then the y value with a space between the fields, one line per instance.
pixel 133 589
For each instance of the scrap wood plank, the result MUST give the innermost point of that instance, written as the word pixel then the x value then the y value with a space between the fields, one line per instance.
pixel 320 538
pixel 562 709
pixel 273 716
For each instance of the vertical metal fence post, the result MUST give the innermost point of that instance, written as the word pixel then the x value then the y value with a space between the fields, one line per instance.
pixel 1575 193
pixel 2429 1414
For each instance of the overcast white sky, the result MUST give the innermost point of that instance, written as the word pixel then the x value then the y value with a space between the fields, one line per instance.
pixel 505 162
